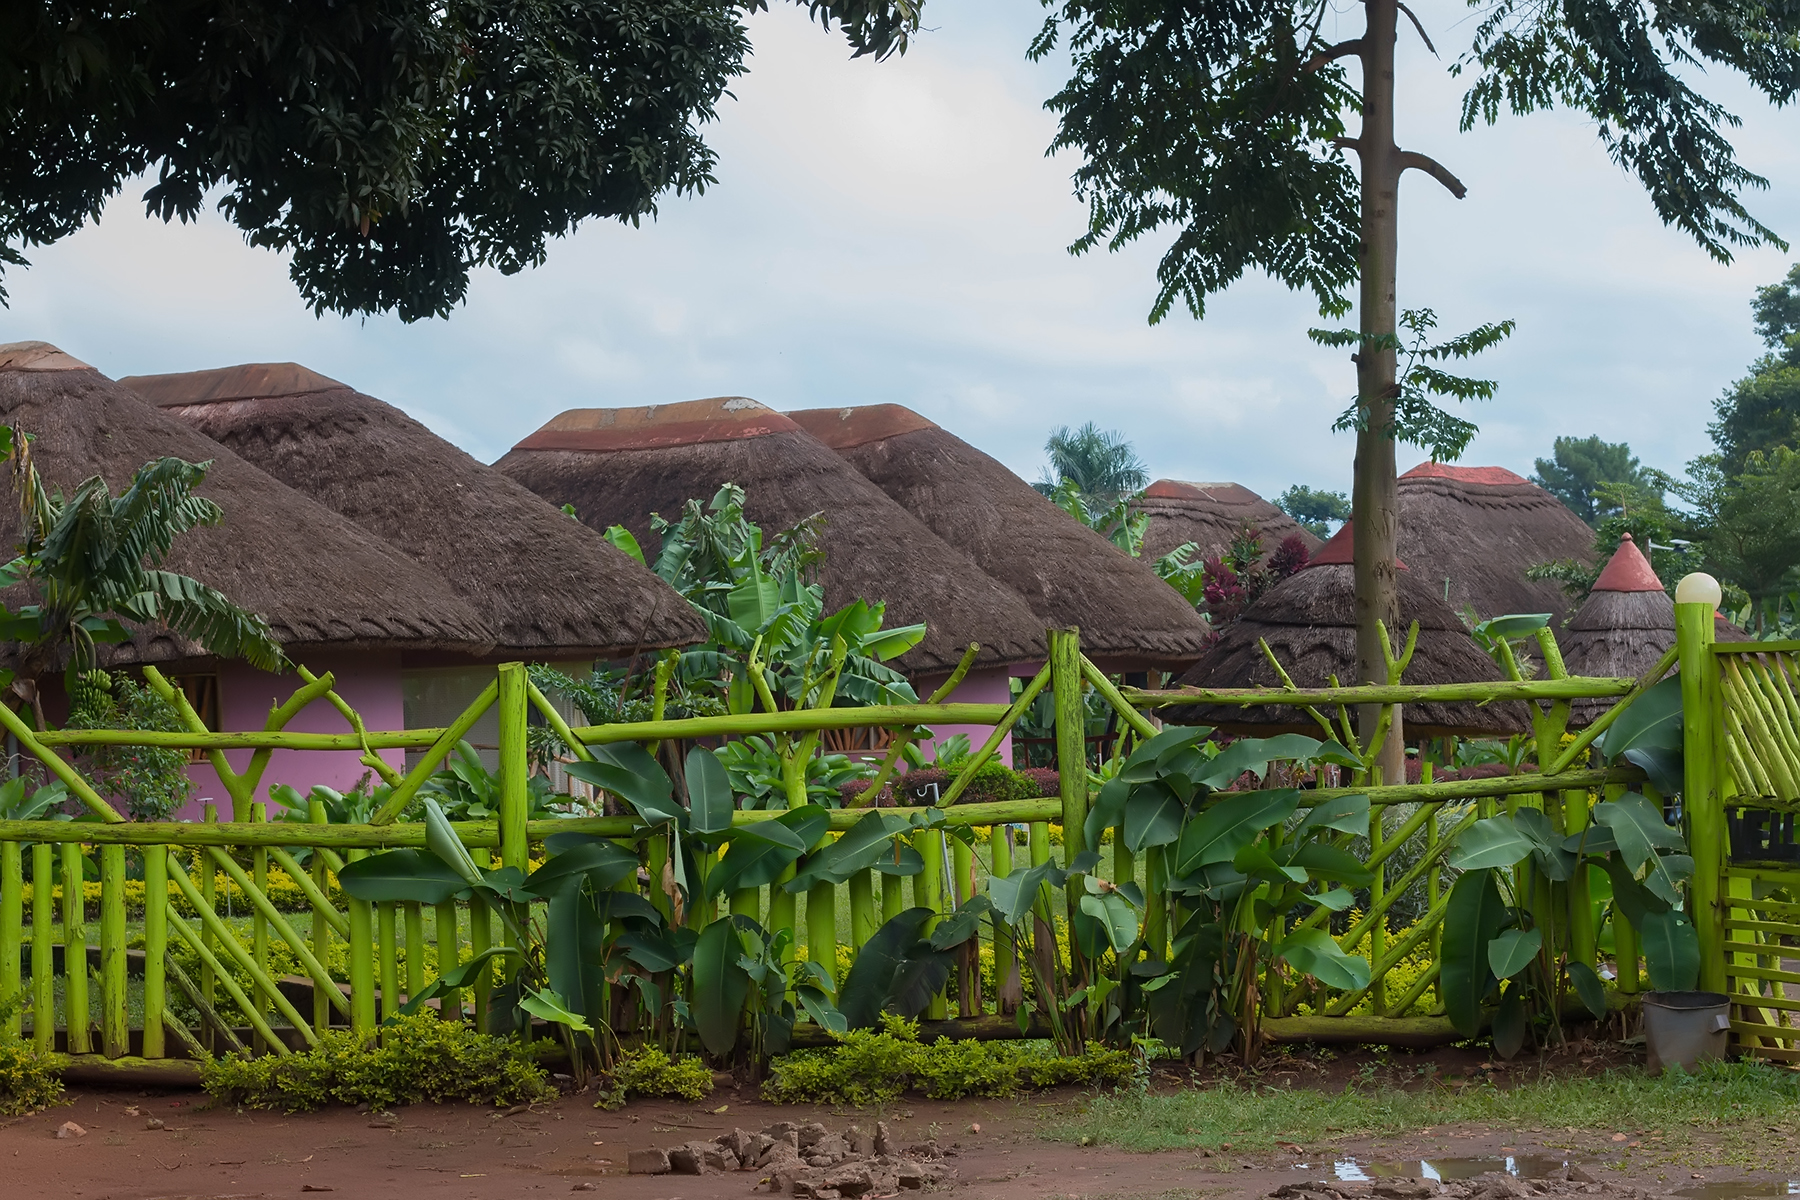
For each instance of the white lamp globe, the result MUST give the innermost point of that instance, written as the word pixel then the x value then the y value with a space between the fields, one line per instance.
pixel 1699 588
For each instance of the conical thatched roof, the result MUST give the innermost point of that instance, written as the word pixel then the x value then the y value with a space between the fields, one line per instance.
pixel 1479 528
pixel 620 465
pixel 547 586
pixel 1070 575
pixel 317 578
pixel 1622 628
pixel 1211 514
pixel 1309 622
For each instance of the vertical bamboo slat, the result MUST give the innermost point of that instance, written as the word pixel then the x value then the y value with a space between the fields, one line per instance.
pixel 387 955
pixel 1702 802
pixel 449 950
pixel 156 945
pixel 962 886
pixel 209 880
pixel 862 908
pixel 321 928
pixel 1377 893
pixel 1005 949
pixel 115 1031
pixel 481 938
pixel 928 892
pixel 893 897
pixel 415 950
pixel 12 924
pixel 77 1019
pixel 259 925
pixel 362 958
pixel 821 926
pixel 43 961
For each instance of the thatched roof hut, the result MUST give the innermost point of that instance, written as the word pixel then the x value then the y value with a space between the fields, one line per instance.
pixel 1471 532
pixel 545 585
pixel 316 577
pixel 1309 621
pixel 620 465
pixel 1211 514
pixel 1622 628
pixel 1129 619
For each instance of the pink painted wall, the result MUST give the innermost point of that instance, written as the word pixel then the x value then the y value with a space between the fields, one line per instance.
pixel 979 687
pixel 369 683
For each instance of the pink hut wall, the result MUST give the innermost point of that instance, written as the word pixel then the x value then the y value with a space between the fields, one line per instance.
pixel 369 683
pixel 979 687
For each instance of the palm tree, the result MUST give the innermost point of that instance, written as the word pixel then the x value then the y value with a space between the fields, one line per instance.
pixel 95 560
pixel 1101 464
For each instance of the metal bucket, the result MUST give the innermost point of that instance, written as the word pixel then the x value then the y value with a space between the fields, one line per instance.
pixel 1684 1029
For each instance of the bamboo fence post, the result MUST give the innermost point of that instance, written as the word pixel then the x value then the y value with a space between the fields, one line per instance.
pixel 821 926
pixel 1039 843
pixel 43 962
pixel 12 923
pixel 76 1015
pixel 1694 636
pixel 962 886
pixel 1071 770
pixel 362 958
pixel 928 892
pixel 115 1029
pixel 515 768
pixel 321 925
pixel 1377 893
pixel 209 884
pixel 259 924
pixel 156 945
pixel 1005 951
pixel 893 896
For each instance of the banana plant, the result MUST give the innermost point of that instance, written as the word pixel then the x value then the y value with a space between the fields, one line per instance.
pixel 1494 946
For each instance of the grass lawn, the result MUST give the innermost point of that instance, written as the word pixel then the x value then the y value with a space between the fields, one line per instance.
pixel 1742 1113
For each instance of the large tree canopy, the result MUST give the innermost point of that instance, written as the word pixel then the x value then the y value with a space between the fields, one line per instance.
pixel 391 146
pixel 1762 410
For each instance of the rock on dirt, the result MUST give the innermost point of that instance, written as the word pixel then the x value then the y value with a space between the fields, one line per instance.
pixel 69 1129
pixel 808 1160
pixel 1568 1182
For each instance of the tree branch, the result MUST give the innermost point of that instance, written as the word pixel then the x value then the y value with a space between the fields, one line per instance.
pixel 1435 169
pixel 1341 50
pixel 1348 143
pixel 1423 36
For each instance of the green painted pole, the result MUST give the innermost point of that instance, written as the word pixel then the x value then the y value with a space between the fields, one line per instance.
pixel 863 921
pixel 893 897
pixel 962 886
pixel 415 949
pixel 362 960
pixel 928 892
pixel 115 1030
pixel 1702 802
pixel 821 926
pixel 12 924
pixel 43 962
pixel 77 1019
pixel 156 945
pixel 1071 770
pixel 481 939
pixel 1005 951
pixel 515 768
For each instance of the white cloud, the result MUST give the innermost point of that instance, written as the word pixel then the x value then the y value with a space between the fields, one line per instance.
pixel 894 232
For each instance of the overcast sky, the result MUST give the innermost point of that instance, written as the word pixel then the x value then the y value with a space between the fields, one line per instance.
pixel 894 232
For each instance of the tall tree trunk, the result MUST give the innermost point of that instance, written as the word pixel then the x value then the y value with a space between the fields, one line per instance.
pixel 1375 500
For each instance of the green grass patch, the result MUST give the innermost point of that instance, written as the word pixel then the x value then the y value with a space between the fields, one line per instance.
pixel 1724 1102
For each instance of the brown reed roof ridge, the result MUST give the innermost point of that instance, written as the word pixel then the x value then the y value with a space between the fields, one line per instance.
pixel 1069 575
pixel 689 423
pixel 1309 621
pixel 545 585
pixel 318 579
pixel 651 461
pixel 1479 528
pixel 1211 514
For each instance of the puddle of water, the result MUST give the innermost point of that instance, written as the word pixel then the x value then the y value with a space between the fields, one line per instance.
pixel 1741 1190
pixel 1449 1170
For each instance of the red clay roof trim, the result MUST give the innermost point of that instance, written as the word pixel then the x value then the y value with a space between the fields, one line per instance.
pixel 1339 550
pixel 847 428
pixel 691 423
pixel 1495 476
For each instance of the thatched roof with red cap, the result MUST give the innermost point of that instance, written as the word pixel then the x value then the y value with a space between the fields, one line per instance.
pixel 1211 514
pixel 1309 622
pixel 320 580
pixel 1623 627
pixel 1472 532
pixel 1067 573
pixel 547 587
pixel 620 465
